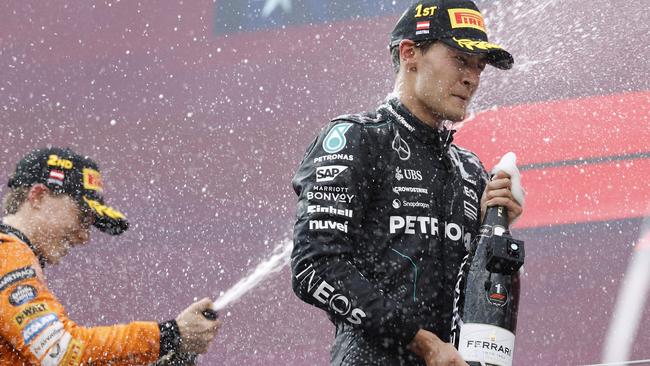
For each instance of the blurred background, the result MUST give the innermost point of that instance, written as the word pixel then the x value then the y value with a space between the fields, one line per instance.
pixel 199 111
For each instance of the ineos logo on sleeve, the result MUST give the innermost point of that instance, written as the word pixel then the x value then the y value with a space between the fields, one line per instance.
pixel 335 140
pixel 402 148
pixel 329 173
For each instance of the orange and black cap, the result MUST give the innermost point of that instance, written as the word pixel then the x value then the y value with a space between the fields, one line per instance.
pixel 64 171
pixel 457 23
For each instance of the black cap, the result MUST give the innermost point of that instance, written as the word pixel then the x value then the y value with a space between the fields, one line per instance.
pixel 64 171
pixel 457 23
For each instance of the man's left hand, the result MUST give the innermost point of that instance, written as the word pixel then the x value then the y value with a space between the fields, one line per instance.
pixel 498 193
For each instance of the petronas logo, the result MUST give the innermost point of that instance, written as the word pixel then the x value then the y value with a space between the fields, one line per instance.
pixel 335 140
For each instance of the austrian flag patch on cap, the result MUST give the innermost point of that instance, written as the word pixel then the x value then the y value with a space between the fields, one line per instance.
pixel 422 27
pixel 56 177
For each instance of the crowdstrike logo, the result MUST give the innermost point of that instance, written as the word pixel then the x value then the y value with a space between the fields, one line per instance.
pixel 399 190
pixel 327 295
pixel 329 173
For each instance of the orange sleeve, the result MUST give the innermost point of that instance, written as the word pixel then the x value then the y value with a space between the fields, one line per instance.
pixel 36 325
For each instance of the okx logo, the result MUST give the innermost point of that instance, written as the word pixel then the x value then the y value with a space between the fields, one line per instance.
pixel 329 173
pixel 335 140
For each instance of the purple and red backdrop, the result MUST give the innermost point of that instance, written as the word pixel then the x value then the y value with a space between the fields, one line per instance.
pixel 199 111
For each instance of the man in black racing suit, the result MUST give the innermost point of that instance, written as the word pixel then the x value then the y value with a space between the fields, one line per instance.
pixel 388 205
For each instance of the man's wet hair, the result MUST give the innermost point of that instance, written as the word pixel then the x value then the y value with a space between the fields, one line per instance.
pixel 13 199
pixel 422 46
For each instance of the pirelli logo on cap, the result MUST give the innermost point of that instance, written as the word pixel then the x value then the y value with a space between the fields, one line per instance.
pixel 92 180
pixel 466 18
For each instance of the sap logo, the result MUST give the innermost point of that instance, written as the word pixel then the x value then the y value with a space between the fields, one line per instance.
pixel 329 173
pixel 56 161
pixel 326 294
pixel 407 174
pixel 335 140
pixel 328 225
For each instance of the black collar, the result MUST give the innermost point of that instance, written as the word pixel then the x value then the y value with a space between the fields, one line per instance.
pixel 22 237
pixel 439 138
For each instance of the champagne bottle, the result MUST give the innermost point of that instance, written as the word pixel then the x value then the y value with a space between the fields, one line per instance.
pixel 486 298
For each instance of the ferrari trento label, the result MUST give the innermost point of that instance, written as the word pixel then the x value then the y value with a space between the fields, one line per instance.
pixel 487 344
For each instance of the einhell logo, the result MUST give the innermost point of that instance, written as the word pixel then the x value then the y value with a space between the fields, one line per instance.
pixel 466 18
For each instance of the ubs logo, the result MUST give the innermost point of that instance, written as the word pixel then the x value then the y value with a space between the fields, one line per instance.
pixel 407 174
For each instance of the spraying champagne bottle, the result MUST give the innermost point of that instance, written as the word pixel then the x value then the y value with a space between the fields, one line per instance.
pixel 181 358
pixel 486 299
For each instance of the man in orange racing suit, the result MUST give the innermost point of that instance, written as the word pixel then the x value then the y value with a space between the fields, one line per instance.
pixel 55 196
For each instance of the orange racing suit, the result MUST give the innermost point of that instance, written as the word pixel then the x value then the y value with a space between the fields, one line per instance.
pixel 35 329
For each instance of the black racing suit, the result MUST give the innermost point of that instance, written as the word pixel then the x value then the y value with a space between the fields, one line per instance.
pixel 387 207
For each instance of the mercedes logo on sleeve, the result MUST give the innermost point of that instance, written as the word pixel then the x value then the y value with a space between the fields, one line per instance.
pixel 402 148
